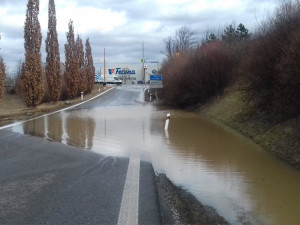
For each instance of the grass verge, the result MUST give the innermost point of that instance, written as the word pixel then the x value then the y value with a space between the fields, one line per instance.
pixel 280 138
pixel 12 107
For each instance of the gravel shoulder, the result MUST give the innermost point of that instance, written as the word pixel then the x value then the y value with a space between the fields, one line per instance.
pixel 178 206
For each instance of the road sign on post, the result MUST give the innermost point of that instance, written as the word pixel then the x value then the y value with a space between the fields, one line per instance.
pixel 156 81
pixel 156 78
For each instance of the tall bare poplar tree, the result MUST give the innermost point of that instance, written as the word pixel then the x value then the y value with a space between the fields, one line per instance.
pixel 80 55
pixel 72 72
pixel 89 66
pixel 2 77
pixel 32 74
pixel 53 72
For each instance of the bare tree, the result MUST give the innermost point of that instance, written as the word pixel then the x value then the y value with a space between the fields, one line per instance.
pixel 169 47
pixel 2 77
pixel 184 40
pixel 72 72
pixel 89 66
pixel 32 74
pixel 53 72
pixel 80 56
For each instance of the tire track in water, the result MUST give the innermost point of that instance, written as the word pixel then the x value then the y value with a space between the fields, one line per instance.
pixel 98 168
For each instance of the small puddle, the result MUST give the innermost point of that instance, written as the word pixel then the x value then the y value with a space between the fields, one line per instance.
pixel 243 183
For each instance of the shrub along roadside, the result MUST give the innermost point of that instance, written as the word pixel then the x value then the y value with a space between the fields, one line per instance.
pixel 264 101
pixel 273 64
pixel 197 75
pixel 266 66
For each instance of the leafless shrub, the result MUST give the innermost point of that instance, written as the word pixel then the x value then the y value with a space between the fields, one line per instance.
pixel 273 64
pixel 184 40
pixel 198 75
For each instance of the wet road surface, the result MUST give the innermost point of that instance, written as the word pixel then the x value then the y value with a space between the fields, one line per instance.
pixel 46 182
pixel 245 184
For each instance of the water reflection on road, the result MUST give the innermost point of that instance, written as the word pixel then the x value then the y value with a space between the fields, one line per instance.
pixel 223 170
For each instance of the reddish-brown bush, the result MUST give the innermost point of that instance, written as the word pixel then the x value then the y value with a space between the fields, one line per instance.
pixel 198 75
pixel 273 64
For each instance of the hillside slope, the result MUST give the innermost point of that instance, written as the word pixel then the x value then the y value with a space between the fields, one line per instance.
pixel 282 139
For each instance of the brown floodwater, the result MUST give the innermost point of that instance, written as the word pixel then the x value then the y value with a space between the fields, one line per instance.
pixel 245 184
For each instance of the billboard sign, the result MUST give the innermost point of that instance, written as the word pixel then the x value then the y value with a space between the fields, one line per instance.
pixel 119 71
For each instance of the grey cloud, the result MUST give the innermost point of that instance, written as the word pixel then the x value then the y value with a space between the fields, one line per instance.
pixel 11 32
pixel 14 2
pixel 121 44
pixel 134 9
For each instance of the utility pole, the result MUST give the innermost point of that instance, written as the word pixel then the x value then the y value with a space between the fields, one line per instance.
pixel 104 69
pixel 143 60
pixel 143 64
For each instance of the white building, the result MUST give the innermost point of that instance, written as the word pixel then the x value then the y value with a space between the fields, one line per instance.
pixel 130 73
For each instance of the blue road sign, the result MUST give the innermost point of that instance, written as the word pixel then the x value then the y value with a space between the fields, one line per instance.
pixel 96 76
pixel 156 77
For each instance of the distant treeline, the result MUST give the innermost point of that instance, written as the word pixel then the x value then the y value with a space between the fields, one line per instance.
pixel 265 64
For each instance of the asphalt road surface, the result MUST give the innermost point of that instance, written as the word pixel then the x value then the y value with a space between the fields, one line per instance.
pixel 43 182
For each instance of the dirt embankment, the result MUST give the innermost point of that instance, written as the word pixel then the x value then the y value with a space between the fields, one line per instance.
pixel 13 108
pixel 232 109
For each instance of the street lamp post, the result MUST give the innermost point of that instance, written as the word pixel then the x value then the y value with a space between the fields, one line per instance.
pixel 143 61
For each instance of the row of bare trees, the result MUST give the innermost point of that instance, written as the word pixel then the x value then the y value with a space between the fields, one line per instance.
pixel 79 68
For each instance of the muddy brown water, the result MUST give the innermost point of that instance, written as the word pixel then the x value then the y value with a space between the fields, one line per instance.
pixel 245 184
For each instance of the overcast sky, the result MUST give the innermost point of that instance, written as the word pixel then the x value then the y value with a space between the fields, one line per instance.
pixel 118 25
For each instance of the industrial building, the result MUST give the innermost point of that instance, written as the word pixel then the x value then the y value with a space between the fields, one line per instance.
pixel 131 73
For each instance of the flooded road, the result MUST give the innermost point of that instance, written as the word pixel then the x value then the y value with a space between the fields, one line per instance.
pixel 243 183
